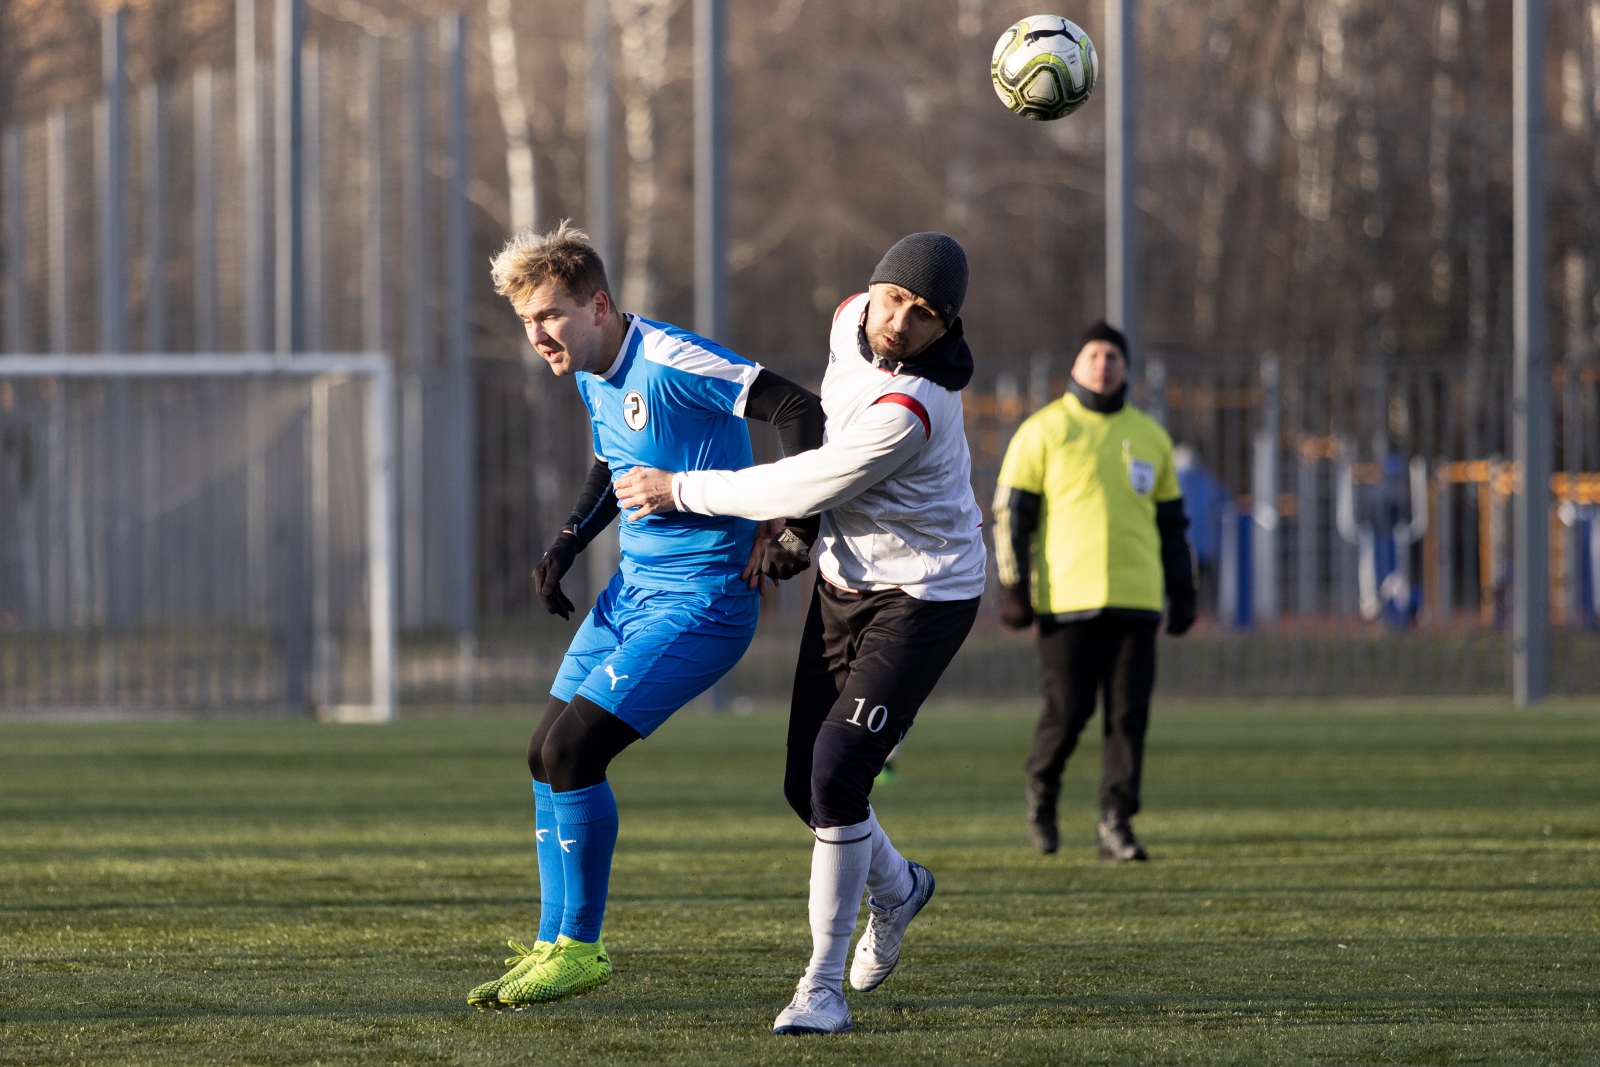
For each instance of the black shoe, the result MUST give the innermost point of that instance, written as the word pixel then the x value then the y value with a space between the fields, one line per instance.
pixel 1117 842
pixel 1042 818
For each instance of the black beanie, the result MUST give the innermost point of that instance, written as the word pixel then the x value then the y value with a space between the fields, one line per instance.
pixel 931 265
pixel 1104 331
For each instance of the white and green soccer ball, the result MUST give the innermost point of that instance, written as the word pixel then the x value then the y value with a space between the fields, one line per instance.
pixel 1044 67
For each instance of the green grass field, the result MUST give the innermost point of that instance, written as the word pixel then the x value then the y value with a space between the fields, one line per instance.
pixel 1400 883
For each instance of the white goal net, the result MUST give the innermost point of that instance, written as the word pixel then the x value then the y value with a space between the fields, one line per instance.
pixel 196 533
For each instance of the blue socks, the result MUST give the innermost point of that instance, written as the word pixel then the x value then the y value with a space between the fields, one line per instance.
pixel 552 880
pixel 586 836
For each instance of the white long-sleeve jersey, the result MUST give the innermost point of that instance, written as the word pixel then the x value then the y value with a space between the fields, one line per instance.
pixel 893 478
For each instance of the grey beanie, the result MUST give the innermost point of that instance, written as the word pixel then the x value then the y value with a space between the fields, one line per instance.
pixel 931 265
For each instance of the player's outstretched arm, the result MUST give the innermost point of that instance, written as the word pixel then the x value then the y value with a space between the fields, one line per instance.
pixel 594 511
pixel 868 451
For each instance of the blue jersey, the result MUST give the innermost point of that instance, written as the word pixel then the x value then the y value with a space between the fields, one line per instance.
pixel 675 401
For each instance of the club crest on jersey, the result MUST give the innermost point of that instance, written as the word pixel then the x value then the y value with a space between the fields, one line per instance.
pixel 634 413
pixel 1141 475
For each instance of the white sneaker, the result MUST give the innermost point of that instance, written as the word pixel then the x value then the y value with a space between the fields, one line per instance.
pixel 815 1009
pixel 879 948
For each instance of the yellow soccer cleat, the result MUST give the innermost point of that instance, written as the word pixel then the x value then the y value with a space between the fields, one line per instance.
pixel 526 959
pixel 571 969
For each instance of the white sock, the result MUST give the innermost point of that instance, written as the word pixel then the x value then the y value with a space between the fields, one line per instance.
pixel 889 877
pixel 839 862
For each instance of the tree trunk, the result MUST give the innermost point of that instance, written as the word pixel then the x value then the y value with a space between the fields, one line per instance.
pixel 644 59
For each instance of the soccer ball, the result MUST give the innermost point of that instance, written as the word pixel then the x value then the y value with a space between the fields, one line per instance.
pixel 1044 67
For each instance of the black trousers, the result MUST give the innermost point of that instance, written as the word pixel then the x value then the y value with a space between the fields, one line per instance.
pixel 1078 661
pixel 867 662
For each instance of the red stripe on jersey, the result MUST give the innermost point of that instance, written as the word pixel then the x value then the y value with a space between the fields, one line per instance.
pixel 840 308
pixel 911 404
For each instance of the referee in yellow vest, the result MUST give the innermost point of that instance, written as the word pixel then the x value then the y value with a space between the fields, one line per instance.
pixel 1089 536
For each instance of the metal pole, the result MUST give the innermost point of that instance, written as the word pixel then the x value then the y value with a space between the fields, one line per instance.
pixel 252 298
pixel 597 197
pixel 153 130
pixel 289 333
pixel 58 176
pixel 1307 524
pixel 289 32
pixel 372 191
pixel 112 196
pixel 1120 69
pixel 205 211
pixel 462 477
pixel 58 194
pixel 15 260
pixel 253 279
pixel 13 178
pixel 113 175
pixel 1530 608
pixel 1577 352
pixel 380 518
pixel 323 659
pixel 1444 527
pixel 312 191
pixel 710 171
pixel 1264 491
pixel 419 336
pixel 153 109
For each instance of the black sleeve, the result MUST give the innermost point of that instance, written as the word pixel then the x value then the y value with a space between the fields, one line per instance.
pixel 1016 516
pixel 796 412
pixel 596 506
pixel 1175 558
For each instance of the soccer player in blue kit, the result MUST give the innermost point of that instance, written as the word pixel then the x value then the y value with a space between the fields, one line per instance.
pixel 681 610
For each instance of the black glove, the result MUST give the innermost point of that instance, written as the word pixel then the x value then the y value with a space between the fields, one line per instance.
pixel 786 556
pixel 1181 611
pixel 547 573
pixel 1016 608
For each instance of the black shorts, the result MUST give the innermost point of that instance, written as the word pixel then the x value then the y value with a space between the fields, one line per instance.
pixel 867 662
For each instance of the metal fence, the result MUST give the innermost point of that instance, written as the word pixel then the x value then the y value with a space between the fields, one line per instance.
pixel 1325 495
pixel 1437 626
pixel 1371 491
pixel 211 215
pixel 1379 565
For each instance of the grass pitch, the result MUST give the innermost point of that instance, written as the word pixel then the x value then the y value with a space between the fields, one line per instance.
pixel 1404 883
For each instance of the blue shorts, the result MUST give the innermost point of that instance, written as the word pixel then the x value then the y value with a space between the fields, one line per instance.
pixel 644 653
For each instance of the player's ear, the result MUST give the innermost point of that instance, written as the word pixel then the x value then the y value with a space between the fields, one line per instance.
pixel 600 304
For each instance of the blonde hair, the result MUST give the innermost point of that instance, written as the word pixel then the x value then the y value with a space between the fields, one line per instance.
pixel 529 259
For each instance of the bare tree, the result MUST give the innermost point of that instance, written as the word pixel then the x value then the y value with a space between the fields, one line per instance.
pixel 520 171
pixel 644 25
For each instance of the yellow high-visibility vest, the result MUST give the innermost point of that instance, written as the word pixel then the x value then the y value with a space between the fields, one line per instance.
pixel 1100 478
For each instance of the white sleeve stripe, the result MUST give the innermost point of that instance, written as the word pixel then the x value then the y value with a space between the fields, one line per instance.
pixel 744 391
pixel 695 360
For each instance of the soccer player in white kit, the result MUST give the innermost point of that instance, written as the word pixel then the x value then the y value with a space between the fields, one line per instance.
pixel 902 562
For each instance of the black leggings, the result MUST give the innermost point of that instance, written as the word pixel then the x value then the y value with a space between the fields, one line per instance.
pixel 575 743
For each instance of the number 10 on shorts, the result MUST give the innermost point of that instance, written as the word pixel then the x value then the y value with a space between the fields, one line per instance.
pixel 877 718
